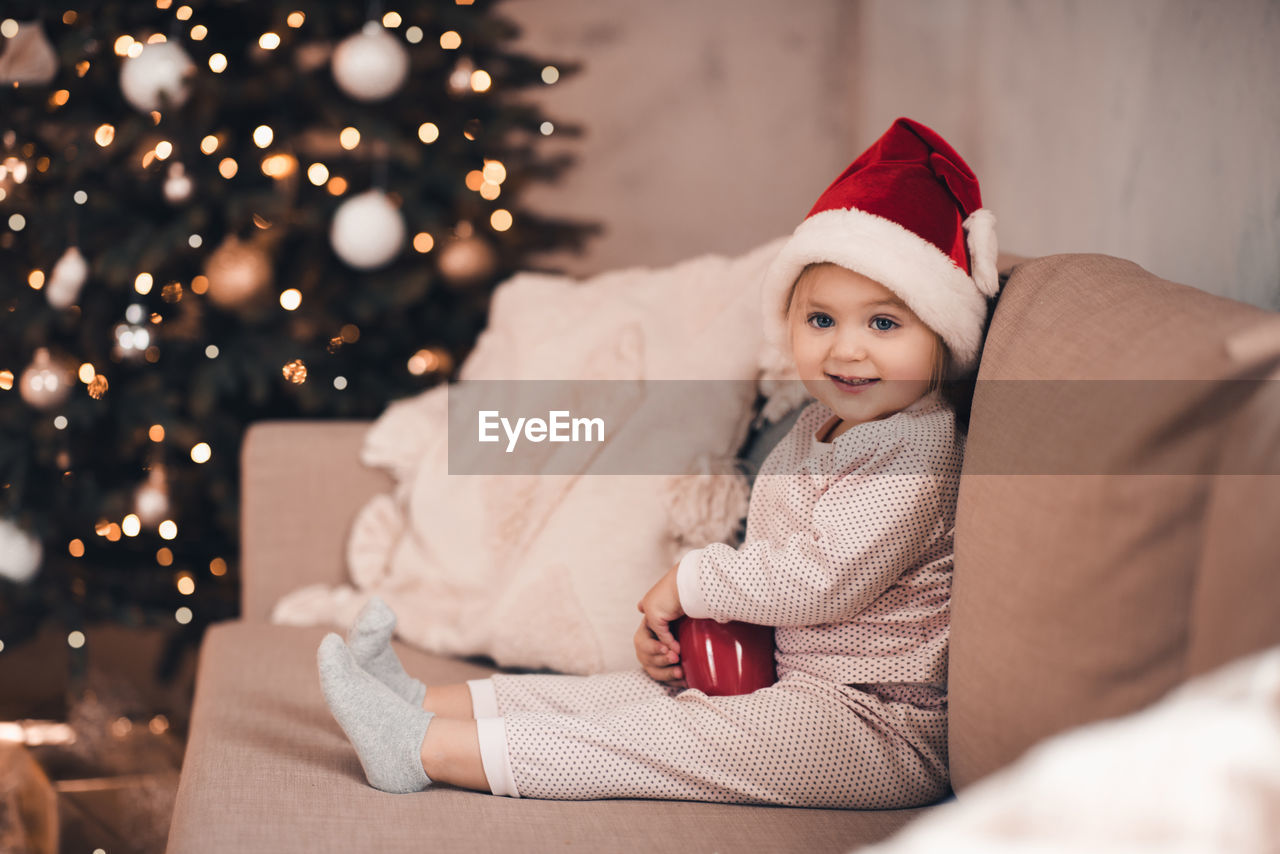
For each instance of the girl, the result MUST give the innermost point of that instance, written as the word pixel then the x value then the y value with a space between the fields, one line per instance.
pixel 879 295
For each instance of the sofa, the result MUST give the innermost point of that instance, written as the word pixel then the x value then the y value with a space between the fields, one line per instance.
pixel 1113 539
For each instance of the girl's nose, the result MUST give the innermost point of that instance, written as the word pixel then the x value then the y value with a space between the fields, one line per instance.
pixel 849 346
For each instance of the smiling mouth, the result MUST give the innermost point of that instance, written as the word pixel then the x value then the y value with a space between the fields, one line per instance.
pixel 853 383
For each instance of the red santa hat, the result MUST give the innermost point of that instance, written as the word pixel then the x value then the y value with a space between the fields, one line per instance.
pixel 908 214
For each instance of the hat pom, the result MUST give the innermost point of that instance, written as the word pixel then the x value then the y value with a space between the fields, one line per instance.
pixel 980 233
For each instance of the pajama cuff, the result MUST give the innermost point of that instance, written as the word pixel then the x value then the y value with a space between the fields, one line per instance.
pixel 691 600
pixel 484 699
pixel 492 735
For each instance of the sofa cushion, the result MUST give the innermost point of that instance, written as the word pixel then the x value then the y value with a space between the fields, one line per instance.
pixel 1083 534
pixel 268 770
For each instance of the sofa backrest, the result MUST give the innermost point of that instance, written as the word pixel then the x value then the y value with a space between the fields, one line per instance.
pixel 1114 531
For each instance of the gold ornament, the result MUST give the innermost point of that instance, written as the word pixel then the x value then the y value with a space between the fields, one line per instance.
pixel 295 371
pixel 466 260
pixel 238 272
pixel 66 279
pixel 46 382
pixel 177 186
pixel 152 498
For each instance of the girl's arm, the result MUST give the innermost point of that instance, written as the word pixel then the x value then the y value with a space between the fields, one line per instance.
pixel 867 529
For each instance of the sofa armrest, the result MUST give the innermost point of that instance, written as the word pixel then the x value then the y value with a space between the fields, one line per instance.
pixel 302 484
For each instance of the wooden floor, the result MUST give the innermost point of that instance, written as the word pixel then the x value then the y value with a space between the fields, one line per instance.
pixel 117 781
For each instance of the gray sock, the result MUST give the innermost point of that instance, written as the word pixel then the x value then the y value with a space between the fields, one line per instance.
pixel 384 728
pixel 370 642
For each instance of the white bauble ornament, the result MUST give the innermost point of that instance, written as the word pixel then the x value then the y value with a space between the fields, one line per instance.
pixel 28 58
pixel 151 501
pixel 371 64
pixel 45 383
pixel 237 272
pixel 466 260
pixel 367 230
pixel 20 553
pixel 177 185
pixel 66 279
pixel 160 68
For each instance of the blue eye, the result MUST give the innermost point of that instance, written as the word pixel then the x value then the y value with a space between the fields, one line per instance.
pixel 876 321
pixel 819 320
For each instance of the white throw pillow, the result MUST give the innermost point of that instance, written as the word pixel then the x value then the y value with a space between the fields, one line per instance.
pixel 545 570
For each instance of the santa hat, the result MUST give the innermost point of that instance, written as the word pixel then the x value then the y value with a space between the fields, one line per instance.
pixel 908 214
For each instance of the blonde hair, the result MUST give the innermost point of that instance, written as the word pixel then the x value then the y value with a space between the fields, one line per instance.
pixel 942 361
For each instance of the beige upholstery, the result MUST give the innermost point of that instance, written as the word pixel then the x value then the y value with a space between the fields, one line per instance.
pixel 1083 589
pixel 1098 564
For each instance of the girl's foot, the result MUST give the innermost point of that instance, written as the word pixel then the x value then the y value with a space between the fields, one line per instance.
pixel 385 730
pixel 370 643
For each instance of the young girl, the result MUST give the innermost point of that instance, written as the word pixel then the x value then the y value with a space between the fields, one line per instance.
pixel 879 295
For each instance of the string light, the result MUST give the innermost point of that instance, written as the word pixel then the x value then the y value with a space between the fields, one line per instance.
pixel 183 615
pixel 164 149
pixel 131 525
pixel 413 35
pixel 291 299
pixel 104 135
pixel 201 453
pixel 143 283
pixel 550 74
pixel 217 63
pixel 75 639
pixel 337 185
pixel 480 80
pixel 262 136
pixel 423 242
pixel 122 45
pixel 198 32
pixel 428 132
pixel 500 219
pixel 164 556
pixel 450 40
pixel 296 19
pixel 218 567
pixel 209 144
pixel 349 138
pixel 36 279
pixel 317 173
pixel 228 167
pixel 269 41
pixel 168 529
pixel 279 165
pixel 183 13
pixel 391 20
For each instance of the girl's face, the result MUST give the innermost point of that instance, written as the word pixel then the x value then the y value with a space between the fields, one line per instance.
pixel 858 348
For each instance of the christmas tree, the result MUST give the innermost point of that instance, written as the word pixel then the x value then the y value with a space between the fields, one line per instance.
pixel 219 212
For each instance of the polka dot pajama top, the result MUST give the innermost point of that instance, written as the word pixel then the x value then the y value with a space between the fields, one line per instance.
pixel 848 552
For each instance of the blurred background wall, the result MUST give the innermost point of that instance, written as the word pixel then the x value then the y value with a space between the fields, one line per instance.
pixel 1147 129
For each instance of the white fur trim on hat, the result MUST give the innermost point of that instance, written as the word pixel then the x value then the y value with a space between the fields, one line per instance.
pixel 940 293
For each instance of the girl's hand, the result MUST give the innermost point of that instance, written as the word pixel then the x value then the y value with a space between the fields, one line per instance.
pixel 661 607
pixel 658 660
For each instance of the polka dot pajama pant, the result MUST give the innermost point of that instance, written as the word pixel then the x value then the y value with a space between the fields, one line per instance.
pixel 800 742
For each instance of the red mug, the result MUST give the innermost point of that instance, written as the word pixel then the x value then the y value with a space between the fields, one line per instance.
pixel 726 658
